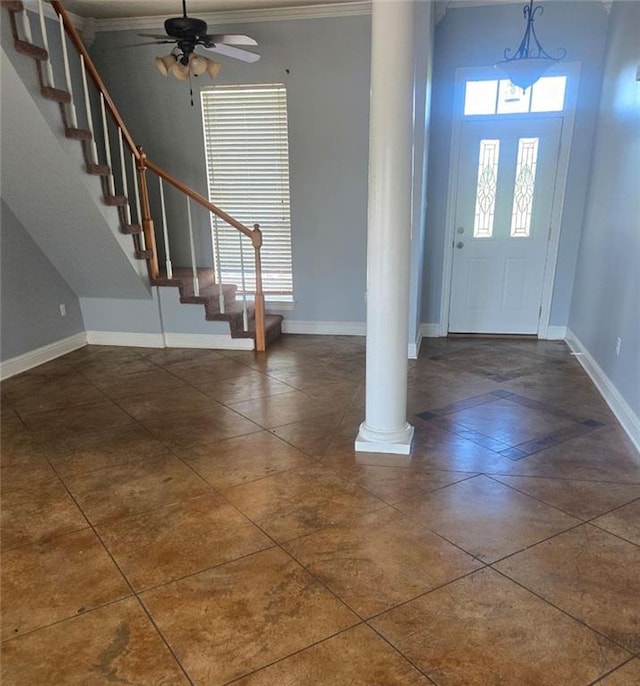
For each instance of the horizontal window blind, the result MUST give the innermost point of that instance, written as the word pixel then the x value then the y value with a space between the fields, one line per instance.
pixel 247 152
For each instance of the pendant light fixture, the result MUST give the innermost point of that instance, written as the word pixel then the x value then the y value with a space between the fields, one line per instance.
pixel 530 61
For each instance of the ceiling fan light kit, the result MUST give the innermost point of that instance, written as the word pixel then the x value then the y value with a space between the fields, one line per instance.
pixel 188 33
pixel 530 61
pixel 196 65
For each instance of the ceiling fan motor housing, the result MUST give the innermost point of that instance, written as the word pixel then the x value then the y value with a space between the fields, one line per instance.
pixel 185 27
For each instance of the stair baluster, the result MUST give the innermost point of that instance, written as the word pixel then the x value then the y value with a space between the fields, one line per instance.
pixel 136 192
pixel 45 43
pixel 107 146
pixel 165 234
pixel 26 26
pixel 67 74
pixel 245 317
pixel 194 269
pixel 216 263
pixel 125 183
pixel 87 104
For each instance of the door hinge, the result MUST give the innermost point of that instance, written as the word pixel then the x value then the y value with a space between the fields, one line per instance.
pixel 549 234
pixel 540 312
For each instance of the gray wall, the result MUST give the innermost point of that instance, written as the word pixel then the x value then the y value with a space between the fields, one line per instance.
pixel 606 301
pixel 31 293
pixel 328 101
pixel 475 37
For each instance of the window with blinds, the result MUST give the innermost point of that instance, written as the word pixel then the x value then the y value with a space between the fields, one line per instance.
pixel 247 152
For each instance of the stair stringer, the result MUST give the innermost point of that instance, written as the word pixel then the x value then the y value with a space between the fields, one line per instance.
pixel 62 207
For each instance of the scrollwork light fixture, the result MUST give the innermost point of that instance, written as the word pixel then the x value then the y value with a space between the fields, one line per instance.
pixel 530 61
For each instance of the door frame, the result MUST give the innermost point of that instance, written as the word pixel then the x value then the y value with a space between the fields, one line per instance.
pixel 463 74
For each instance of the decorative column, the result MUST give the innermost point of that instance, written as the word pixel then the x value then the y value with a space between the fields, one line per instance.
pixel 385 429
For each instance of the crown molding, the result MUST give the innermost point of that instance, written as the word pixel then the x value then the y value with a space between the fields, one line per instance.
pixel 336 9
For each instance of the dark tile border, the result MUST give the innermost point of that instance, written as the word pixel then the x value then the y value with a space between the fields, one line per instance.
pixel 438 417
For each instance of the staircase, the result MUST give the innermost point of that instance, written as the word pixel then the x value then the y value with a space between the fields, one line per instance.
pixel 196 285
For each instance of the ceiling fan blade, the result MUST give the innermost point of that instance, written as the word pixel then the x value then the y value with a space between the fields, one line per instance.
pixel 228 39
pixel 236 53
pixel 151 42
pixel 157 36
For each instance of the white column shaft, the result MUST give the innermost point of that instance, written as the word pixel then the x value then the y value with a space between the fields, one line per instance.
pixel 389 228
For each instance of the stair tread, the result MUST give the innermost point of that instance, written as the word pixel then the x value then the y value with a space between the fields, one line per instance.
pixel 31 50
pixel 115 200
pixel 98 169
pixel 78 134
pixel 55 94
pixel 131 228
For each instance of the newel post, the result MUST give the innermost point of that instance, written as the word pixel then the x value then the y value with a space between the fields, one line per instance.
pixel 147 221
pixel 261 341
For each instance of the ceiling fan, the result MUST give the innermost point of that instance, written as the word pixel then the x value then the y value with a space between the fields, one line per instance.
pixel 188 32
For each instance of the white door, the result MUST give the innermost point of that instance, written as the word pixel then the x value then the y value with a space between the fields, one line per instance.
pixel 506 179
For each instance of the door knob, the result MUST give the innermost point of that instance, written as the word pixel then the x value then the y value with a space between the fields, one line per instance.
pixel 460 229
pixel 459 245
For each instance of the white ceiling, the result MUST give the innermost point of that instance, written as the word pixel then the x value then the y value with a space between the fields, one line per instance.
pixel 117 9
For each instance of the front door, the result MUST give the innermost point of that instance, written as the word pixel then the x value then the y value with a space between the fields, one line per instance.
pixel 506 178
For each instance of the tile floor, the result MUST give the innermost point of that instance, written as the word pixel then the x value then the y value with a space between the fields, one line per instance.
pixel 188 516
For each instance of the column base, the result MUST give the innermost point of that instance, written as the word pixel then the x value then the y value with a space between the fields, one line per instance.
pixel 373 441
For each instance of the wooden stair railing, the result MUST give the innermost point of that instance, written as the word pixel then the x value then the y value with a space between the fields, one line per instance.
pixel 146 248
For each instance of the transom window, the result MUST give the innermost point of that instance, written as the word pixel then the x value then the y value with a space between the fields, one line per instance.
pixel 500 96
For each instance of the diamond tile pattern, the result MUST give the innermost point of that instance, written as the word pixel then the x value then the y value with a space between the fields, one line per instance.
pixel 196 516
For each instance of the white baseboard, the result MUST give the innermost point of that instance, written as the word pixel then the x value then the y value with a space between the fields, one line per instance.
pixel 430 330
pixel 556 333
pixel 169 340
pixel 217 341
pixel 26 361
pixel 325 328
pixel 127 339
pixel 629 421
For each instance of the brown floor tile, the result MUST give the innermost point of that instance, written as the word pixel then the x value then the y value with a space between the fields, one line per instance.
pixel 484 629
pixel 182 539
pixel 236 461
pixel 241 388
pixel 437 448
pixel 393 484
pixel 311 436
pixel 151 381
pixel 107 368
pixel 51 394
pixel 284 408
pixel 380 560
pixel 203 426
pixel 135 488
pixel 113 644
pixel 131 445
pixel 231 620
pixel 486 518
pixel 167 357
pixel 209 371
pixel 584 499
pixel 605 454
pixel 624 522
pixel 588 573
pixel 38 514
pixel 27 477
pixel 166 404
pixel 627 675
pixel 76 420
pixel 47 582
pixel 300 501
pixel 357 657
